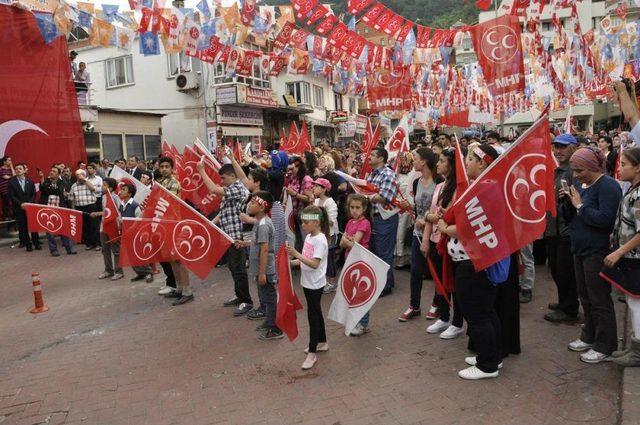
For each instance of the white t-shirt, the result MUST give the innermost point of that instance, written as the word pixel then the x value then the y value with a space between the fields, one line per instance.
pixel 332 211
pixel 314 247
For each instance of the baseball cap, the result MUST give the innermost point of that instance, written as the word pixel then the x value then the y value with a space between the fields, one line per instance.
pixel 323 182
pixel 565 139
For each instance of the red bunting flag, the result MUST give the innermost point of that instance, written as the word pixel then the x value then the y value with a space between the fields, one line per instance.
pixel 248 12
pixel 54 220
pixel 318 13
pixel 299 38
pixel 303 7
pixel 372 14
pixel 288 302
pixel 383 20
pixel 505 208
pixel 337 35
pixel 404 32
pixel 422 39
pixel 357 6
pixel 499 49
pixel 394 25
pixel 326 24
pixel 283 37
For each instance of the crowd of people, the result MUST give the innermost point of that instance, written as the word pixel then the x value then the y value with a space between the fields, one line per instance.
pixel 596 229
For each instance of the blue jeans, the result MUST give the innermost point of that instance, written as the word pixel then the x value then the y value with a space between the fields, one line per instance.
pixel 365 320
pixel 53 246
pixel 384 242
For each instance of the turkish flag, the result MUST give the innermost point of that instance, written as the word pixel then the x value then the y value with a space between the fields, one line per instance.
pixel 39 116
pixel 362 280
pixel 456 119
pixel 499 49
pixel 192 186
pixel 462 180
pixel 195 241
pixel 304 141
pixel 110 217
pixel 288 302
pixel 54 220
pixel 505 208
pixel 292 140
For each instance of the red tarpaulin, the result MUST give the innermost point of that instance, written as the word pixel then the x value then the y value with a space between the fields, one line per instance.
pixel 39 117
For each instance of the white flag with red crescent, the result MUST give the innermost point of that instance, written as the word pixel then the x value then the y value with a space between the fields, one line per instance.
pixel 361 282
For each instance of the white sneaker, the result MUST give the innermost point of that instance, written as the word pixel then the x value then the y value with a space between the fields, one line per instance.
pixel 105 275
pixel 451 332
pixel 438 327
pixel 473 373
pixel 117 276
pixel 329 287
pixel 472 361
pixel 320 348
pixel 592 356
pixel 165 290
pixel 359 330
pixel 579 345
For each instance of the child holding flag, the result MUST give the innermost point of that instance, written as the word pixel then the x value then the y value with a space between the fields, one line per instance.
pixel 358 230
pixel 262 263
pixel 110 246
pixel 313 265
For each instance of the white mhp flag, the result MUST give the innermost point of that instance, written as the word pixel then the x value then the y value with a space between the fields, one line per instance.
pixel 142 191
pixel 362 280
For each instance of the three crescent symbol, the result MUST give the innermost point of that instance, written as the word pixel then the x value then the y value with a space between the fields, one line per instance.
pixel 504 42
pixel 534 171
pixel 489 40
pixel 8 129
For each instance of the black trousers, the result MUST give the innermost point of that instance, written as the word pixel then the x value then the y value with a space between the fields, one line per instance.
pixel 439 300
pixel 599 326
pixel 6 202
pixel 563 273
pixel 317 332
pixel 90 229
pixel 477 298
pixel 26 239
pixel 168 271
pixel 237 261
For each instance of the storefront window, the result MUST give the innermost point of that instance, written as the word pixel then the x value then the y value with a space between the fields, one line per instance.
pixel 134 145
pixel 152 147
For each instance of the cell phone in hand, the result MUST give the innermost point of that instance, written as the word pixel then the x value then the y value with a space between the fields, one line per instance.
pixel 565 185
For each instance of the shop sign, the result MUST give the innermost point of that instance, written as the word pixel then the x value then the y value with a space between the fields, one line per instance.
pixel 347 129
pixel 256 96
pixel 338 116
pixel 240 115
pixel 226 95
pixel 290 100
pixel 361 124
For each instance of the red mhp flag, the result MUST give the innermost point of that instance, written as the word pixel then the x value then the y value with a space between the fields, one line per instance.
pixel 283 37
pixel 326 25
pixel 192 186
pixel 318 13
pixel 39 116
pixel 484 4
pixel 337 35
pixel 304 141
pixel 370 16
pixel 54 220
pixel 288 302
pixel 399 140
pixel 369 142
pixel 462 180
pixel 299 38
pixel 166 150
pixel 499 49
pixel 196 242
pixel 505 208
pixel 145 241
pixel 110 217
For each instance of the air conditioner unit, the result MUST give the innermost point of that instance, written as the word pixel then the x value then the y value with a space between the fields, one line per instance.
pixel 187 81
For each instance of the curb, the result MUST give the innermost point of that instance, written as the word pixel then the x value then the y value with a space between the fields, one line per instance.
pixel 630 388
pixel 4 242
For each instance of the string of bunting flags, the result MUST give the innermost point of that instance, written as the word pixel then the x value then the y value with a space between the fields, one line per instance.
pixel 516 69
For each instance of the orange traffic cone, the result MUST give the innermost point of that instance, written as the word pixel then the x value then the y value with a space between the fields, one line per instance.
pixel 37 295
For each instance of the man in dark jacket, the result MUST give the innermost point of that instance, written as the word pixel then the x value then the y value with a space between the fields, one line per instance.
pixel 557 239
pixel 52 193
pixel 21 190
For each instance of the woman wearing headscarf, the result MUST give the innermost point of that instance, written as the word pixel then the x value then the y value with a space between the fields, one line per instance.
pixel 591 215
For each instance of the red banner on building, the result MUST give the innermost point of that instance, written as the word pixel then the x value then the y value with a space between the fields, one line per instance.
pixel 39 116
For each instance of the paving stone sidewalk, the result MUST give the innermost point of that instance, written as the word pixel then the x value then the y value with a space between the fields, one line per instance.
pixel 117 353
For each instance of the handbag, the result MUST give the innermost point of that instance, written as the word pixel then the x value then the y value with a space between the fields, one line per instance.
pixel 625 275
pixel 499 272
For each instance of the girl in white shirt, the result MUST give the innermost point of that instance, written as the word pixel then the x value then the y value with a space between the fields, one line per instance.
pixel 321 188
pixel 313 266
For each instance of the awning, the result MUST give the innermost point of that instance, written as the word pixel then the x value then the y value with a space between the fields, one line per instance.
pixel 228 130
